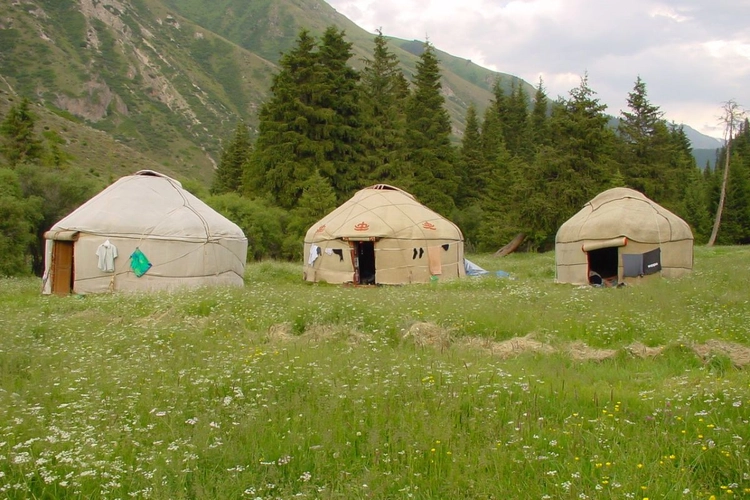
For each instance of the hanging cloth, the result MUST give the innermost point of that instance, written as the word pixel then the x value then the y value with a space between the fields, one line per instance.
pixel 139 263
pixel 107 254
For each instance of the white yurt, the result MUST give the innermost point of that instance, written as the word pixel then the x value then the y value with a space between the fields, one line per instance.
pixel 143 232
pixel 383 235
pixel 620 236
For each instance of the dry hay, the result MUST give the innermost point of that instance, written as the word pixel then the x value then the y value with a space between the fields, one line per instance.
pixel 509 348
pixel 429 334
pixel 737 353
pixel 582 352
pixel 643 351
pixel 280 332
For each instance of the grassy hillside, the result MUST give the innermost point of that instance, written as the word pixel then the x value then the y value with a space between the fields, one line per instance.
pixel 172 79
pixel 477 388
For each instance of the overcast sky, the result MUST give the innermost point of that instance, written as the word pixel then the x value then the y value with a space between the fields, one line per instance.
pixel 693 55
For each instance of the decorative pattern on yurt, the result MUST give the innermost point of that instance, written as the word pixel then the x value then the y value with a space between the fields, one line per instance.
pixel 383 235
pixel 143 232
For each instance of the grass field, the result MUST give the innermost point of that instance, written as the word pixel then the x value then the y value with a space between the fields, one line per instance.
pixel 486 388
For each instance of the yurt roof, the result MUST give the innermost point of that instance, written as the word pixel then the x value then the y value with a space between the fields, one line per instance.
pixel 149 204
pixel 383 211
pixel 624 212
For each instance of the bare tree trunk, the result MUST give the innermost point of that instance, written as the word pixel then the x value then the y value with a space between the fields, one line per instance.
pixel 732 115
pixel 722 198
pixel 512 246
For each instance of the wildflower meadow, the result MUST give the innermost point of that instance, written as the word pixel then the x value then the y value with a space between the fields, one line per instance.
pixel 479 388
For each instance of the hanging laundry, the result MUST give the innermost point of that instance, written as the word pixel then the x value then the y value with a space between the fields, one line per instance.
pixel 139 263
pixel 107 253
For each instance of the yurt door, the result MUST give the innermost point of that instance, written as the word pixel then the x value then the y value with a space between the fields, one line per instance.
pixel 364 262
pixel 62 267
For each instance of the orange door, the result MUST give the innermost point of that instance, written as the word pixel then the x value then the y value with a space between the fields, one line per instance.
pixel 62 267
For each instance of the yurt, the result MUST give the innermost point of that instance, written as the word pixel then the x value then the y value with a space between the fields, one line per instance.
pixel 621 236
pixel 143 232
pixel 383 235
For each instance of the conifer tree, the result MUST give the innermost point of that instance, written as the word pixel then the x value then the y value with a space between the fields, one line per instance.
pixel 311 122
pixel 471 162
pixel 20 143
pixel 428 128
pixel 516 122
pixel 339 128
pixel 648 150
pixel 228 175
pixel 286 152
pixel 317 200
pixel 573 169
pixel 384 91
pixel 540 117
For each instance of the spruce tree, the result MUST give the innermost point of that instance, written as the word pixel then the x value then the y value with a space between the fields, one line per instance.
pixel 339 128
pixel 228 175
pixel 540 117
pixel 286 152
pixel 471 163
pixel 20 143
pixel 648 149
pixel 384 91
pixel 578 164
pixel 516 129
pixel 428 129
pixel 311 123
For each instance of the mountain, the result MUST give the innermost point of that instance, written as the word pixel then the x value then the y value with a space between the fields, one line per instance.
pixel 701 141
pixel 166 80
pixel 128 84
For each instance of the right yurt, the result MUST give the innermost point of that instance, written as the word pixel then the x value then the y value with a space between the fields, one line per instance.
pixel 621 236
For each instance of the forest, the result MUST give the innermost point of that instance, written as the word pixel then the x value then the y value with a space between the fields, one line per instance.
pixel 523 165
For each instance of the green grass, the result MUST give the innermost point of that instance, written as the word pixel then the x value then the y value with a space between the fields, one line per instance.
pixel 468 389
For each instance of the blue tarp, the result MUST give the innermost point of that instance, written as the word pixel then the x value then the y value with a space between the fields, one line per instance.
pixel 474 270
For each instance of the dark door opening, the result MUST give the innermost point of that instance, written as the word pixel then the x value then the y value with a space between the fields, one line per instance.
pixel 603 262
pixel 366 262
pixel 62 267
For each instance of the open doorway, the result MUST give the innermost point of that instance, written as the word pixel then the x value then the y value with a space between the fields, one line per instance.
pixel 365 263
pixel 602 264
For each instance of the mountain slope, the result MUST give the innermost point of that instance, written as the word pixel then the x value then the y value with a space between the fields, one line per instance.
pixel 172 78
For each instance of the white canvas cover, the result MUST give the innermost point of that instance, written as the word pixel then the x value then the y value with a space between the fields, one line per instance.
pixel 412 244
pixel 631 222
pixel 186 241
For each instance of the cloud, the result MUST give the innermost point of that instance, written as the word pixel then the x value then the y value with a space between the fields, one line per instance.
pixel 693 55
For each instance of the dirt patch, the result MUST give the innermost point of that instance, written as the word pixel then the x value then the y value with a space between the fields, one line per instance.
pixel 737 353
pixel 583 352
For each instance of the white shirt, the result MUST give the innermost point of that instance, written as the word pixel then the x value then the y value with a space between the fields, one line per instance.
pixel 107 254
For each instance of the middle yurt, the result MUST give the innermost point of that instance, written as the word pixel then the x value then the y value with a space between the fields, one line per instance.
pixel 383 235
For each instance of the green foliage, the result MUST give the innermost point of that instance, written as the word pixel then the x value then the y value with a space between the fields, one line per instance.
pixel 317 200
pixel 433 178
pixel 60 193
pixel 263 224
pixel 19 141
pixel 18 218
pixel 383 91
pixel 228 176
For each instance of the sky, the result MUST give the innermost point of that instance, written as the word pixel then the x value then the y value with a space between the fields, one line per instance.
pixel 693 55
